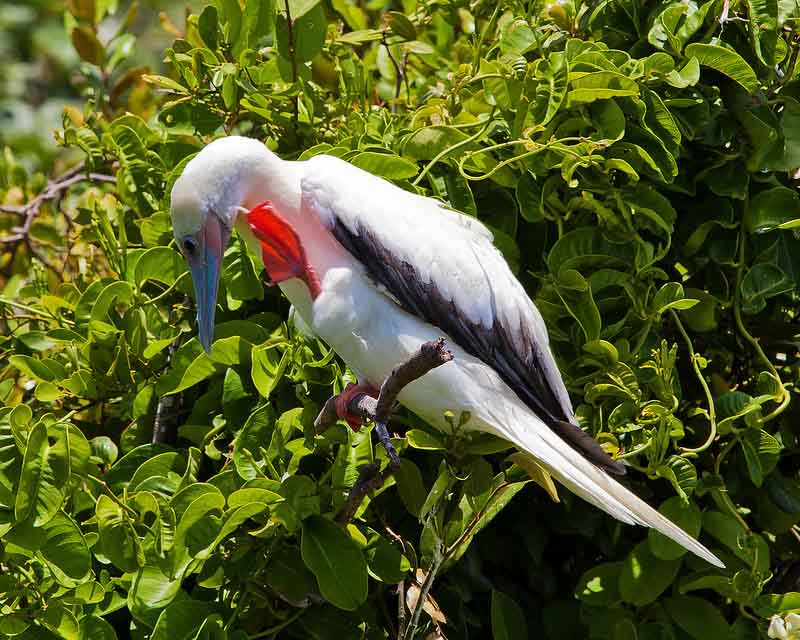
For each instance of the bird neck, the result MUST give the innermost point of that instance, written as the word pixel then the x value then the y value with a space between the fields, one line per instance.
pixel 278 183
pixel 266 178
pixel 274 180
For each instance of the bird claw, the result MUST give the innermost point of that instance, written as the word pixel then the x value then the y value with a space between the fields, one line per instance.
pixel 342 402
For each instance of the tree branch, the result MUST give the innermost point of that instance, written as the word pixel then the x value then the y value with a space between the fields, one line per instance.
pixel 399 70
pixel 165 429
pixel 54 189
pixel 430 355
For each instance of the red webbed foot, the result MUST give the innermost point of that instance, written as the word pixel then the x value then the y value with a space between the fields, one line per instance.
pixel 343 400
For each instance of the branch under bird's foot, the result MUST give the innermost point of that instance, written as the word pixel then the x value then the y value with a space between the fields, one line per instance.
pixel 362 403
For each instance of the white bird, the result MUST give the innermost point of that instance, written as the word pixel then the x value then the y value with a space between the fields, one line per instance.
pixel 376 271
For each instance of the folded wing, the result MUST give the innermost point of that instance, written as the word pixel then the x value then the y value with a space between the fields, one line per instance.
pixel 441 266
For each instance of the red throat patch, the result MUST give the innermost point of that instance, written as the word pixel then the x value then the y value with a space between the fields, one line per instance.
pixel 281 250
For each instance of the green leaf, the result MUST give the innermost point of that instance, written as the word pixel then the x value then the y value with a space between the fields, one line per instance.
pixel 197 529
pixel 644 577
pixel 181 620
pixel 165 83
pixel 266 368
pixel 725 61
pixel 443 482
pixel 610 120
pixel 336 561
pixel 686 515
pixel 240 276
pixel 88 46
pixel 400 25
pixel 118 291
pixel 763 280
pixel 309 27
pixel 246 447
pixel 65 551
pixel 359 36
pixel 125 468
pixel 208 25
pixel 484 444
pixel 420 439
pixel 662 34
pixel 37 494
pixel 160 264
pixel 772 604
pixel 576 294
pixel 763 17
pixel 289 577
pixel 410 486
pixel 551 87
pixel 160 472
pixel 104 448
pixel 118 540
pixel 248 495
pixel 517 37
pixel 231 18
pixel 385 165
pixel 508 620
pixel 97 628
pixel 258 21
pixel 385 562
pixel 686 76
pixel 150 592
pixel 32 367
pixel 487 508
pixel 60 620
pixel 587 248
pixel 774 208
pixel 201 368
pixel 761 452
pixel 729 531
pixel 681 473
pixel 599 85
pixel 697 617
pixel 599 586
pixel 671 296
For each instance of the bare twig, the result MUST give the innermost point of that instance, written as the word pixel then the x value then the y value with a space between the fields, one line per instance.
pixel 430 355
pixel 399 72
pixel 401 610
pixel 164 428
pixel 370 480
pixel 425 589
pixel 54 189
pixel 293 60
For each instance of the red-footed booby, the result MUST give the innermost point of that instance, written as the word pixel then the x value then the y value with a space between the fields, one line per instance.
pixel 376 271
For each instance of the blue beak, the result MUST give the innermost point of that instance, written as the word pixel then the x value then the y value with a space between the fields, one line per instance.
pixel 205 268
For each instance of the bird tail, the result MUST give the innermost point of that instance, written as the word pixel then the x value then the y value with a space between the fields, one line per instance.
pixel 591 483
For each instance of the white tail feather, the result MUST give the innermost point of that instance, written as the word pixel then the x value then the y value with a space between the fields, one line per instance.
pixel 592 484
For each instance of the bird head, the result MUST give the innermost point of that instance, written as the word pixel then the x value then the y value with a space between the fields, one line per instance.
pixel 212 193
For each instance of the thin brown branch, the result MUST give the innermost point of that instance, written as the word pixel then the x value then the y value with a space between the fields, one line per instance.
pixel 401 610
pixel 53 191
pixel 165 429
pixel 293 61
pixel 430 355
pixel 436 564
pixel 399 72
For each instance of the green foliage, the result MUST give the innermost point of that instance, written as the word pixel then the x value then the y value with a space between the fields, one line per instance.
pixel 637 162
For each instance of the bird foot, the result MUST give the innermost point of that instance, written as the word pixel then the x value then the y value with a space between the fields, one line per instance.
pixel 342 402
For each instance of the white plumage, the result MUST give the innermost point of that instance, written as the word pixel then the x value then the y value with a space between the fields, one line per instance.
pixel 368 326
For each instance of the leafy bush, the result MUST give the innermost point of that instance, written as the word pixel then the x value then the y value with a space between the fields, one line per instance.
pixel 636 161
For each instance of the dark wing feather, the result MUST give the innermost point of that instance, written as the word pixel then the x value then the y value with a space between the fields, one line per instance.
pixel 442 267
pixel 494 346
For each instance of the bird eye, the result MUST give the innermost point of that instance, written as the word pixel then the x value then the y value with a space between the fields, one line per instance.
pixel 190 247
